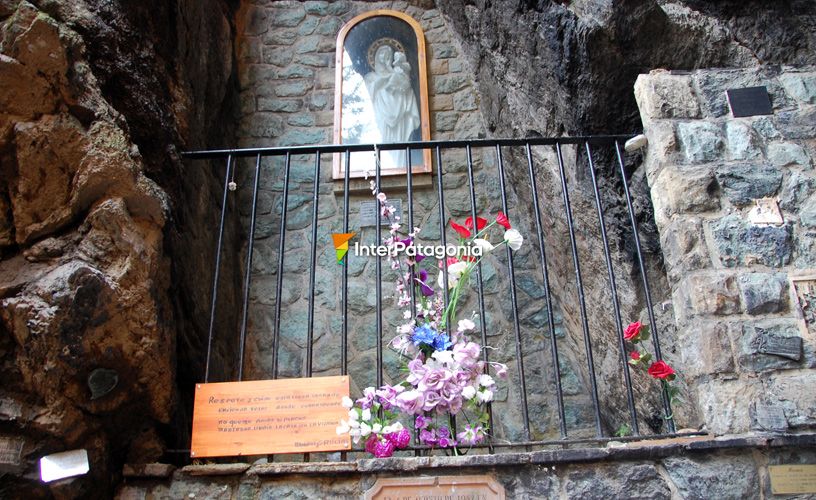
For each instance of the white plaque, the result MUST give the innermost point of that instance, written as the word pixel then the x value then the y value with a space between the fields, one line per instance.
pixel 65 464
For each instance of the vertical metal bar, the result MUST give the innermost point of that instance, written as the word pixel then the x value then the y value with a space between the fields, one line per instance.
pixel 247 278
pixel 652 323
pixel 480 288
pixel 587 342
pixel 630 399
pixel 344 328
pixel 514 304
pixel 312 261
pixel 551 323
pixel 378 271
pixel 410 193
pixel 279 285
pixel 217 269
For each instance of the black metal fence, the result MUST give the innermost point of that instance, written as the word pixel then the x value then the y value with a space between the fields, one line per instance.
pixel 612 146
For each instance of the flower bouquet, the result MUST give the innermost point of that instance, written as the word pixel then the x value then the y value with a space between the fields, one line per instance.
pixel 445 375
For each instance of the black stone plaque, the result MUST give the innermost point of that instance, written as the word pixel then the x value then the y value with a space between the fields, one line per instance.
pixel 368 213
pixel 750 101
pixel 769 417
pixel 784 347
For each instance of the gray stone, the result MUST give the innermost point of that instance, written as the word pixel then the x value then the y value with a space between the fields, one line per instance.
pixel 764 293
pixel 713 293
pixel 797 124
pixel 464 101
pixel 255 21
pixel 448 84
pixel 279 105
pixel 296 71
pixel 661 95
pixel 783 154
pixel 294 89
pixel 807 215
pixel 302 137
pixel 263 125
pixel 320 100
pixel 770 345
pixel 277 56
pixel 678 191
pixel 740 243
pixel 287 17
pixel 711 86
pixel 702 478
pixel 280 37
pixel 743 183
pixel 301 120
pixel 308 26
pixel 768 417
pixel 800 86
pixel 639 481
pixel 445 120
pixel 330 26
pixel 360 298
pixel 443 51
pixel 684 247
pixel 742 143
pixel 796 188
pixel 700 141
pixel 308 44
pixel 764 126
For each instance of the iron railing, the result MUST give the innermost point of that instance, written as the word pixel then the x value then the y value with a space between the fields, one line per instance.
pixel 590 145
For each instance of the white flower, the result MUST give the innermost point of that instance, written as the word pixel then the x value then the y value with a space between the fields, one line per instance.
pixel 396 427
pixel 444 357
pixel 513 238
pixel 468 392
pixel 355 435
pixel 376 428
pixel 366 415
pixel 486 381
pixel 365 429
pixel 455 270
pixel 485 396
pixel 406 315
pixel 466 325
pixel 381 197
pixel 485 245
pixel 353 415
pixel 343 428
pixel 347 402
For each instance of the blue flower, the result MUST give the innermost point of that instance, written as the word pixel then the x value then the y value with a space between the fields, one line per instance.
pixel 441 342
pixel 424 335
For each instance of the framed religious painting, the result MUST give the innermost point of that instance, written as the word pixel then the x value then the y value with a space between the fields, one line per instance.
pixel 381 93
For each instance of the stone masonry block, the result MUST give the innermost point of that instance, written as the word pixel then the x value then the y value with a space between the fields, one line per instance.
pixel 679 191
pixel 783 154
pixel 700 141
pixel 796 188
pixel 706 349
pixel 684 247
pixel 254 21
pixel 662 147
pixel 800 86
pixel 740 243
pixel 711 87
pixel 725 403
pixel 742 141
pixel 764 293
pixel 287 16
pixel 442 102
pixel 662 95
pixel 793 392
pixel 711 293
pixel 743 183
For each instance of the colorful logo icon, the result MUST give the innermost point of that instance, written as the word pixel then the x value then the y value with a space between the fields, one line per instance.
pixel 341 245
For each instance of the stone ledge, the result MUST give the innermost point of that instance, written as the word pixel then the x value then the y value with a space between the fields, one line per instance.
pixel 615 451
pixel 155 470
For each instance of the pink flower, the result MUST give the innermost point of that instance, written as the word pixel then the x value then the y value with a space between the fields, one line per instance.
pixel 466 353
pixel 427 436
pixel 434 380
pixel 400 439
pixel 383 449
pixel 432 399
pixel 422 422
pixel 411 402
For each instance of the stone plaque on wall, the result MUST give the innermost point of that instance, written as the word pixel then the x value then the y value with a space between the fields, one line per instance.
pixel 368 212
pixel 437 488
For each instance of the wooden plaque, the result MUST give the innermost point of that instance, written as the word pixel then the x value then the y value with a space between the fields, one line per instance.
pixel 792 479
pixel 269 416
pixel 436 488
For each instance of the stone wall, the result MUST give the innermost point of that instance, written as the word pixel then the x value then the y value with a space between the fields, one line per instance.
pixel 286 69
pixel 730 469
pixel 743 341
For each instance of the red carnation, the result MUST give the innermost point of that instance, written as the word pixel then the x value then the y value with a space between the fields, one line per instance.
pixel 480 223
pixel 632 331
pixel 502 220
pixel 463 231
pixel 660 370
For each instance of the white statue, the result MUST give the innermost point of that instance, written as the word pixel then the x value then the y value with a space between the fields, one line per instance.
pixel 394 102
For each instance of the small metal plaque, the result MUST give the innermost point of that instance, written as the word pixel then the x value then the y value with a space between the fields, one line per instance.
pixel 792 479
pixel 11 451
pixel 437 488
pixel 769 417
pixel 784 347
pixel 766 213
pixel 65 464
pixel 368 212
pixel 749 101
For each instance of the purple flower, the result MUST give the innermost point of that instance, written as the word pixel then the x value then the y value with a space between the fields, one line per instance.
pixel 416 370
pixel 444 432
pixel 383 448
pixel 411 402
pixel 466 353
pixel 371 443
pixel 422 280
pixel 434 380
pixel 387 395
pixel 400 439
pixel 432 399
pixel 427 436
pixel 367 400
pixel 422 422
pixel 471 435
pixel 446 442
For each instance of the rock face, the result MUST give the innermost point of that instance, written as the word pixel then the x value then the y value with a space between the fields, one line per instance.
pixel 94 99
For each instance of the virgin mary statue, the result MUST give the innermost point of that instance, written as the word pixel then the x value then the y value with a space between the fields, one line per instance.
pixel 394 102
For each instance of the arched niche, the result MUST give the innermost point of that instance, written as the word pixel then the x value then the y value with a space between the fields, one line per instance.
pixel 381 92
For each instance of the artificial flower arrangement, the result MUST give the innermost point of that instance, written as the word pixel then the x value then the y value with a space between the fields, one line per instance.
pixel 445 376
pixel 636 333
